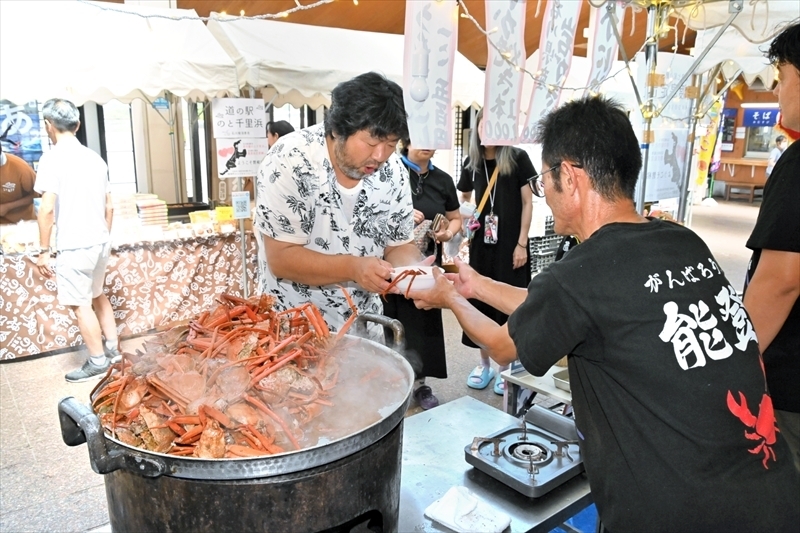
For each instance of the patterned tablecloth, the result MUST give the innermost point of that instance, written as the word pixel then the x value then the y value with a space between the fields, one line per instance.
pixel 150 285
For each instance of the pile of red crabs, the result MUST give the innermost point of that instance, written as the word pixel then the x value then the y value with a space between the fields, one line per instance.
pixel 241 380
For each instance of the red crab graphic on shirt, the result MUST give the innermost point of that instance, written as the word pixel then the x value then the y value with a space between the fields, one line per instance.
pixel 763 424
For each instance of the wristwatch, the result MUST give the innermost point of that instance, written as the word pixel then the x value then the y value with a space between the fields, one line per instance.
pixel 48 251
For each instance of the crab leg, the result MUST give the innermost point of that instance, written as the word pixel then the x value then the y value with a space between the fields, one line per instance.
pixel 260 405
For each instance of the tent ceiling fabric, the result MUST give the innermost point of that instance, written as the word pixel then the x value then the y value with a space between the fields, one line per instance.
pixel 388 16
pixel 104 55
pixel 280 56
pixel 735 53
pixel 758 22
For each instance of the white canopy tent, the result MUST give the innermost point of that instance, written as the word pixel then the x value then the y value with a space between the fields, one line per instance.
pixel 735 53
pixel 744 44
pixel 758 22
pixel 95 51
pixel 301 64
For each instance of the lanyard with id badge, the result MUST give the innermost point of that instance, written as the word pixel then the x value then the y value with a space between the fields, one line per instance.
pixel 491 221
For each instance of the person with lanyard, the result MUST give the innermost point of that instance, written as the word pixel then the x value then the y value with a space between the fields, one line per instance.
pixel 433 192
pixel 499 248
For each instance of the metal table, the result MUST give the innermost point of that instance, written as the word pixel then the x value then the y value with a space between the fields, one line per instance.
pixel 433 461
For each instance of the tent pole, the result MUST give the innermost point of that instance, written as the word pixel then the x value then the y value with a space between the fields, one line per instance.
pixel 172 141
pixel 684 186
pixel 614 25
pixel 651 52
pixel 240 181
pixel 734 8
pixel 721 91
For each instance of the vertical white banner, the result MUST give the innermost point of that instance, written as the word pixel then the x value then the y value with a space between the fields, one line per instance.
pixel 555 56
pixel 431 40
pixel 505 21
pixel 602 45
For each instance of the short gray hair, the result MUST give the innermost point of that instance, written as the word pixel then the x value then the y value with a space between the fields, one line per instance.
pixel 62 114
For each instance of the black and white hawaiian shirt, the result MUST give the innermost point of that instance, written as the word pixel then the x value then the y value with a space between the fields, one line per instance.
pixel 299 202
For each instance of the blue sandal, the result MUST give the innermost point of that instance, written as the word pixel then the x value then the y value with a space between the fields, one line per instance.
pixel 499 385
pixel 485 373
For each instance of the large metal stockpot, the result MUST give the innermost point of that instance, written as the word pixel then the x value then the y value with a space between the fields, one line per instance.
pixel 334 486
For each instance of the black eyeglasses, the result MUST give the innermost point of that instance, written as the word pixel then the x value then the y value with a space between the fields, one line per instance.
pixel 537 184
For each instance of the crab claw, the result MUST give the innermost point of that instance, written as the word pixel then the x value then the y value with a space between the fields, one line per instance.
pixel 741 411
pixel 766 420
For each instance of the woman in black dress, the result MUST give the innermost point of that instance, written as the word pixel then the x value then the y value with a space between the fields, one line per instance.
pixel 503 256
pixel 433 192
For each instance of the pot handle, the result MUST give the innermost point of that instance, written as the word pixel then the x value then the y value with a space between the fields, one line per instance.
pixel 79 424
pixel 395 325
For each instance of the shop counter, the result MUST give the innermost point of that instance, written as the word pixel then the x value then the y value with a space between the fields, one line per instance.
pixel 736 175
pixel 150 286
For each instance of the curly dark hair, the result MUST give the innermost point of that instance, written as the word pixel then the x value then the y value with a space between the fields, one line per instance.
pixel 785 48
pixel 367 102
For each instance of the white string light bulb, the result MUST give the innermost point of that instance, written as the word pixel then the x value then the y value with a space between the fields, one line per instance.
pixel 419 71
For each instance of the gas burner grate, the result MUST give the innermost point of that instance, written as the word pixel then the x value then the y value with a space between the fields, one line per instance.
pixel 527 453
pixel 534 457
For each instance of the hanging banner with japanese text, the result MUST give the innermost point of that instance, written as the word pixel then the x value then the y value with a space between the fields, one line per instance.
pixel 240 157
pixel 239 117
pixel 602 45
pixel 431 39
pixel 555 56
pixel 505 22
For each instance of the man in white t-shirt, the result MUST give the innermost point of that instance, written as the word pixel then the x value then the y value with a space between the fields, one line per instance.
pixel 73 181
pixel 775 154
pixel 334 204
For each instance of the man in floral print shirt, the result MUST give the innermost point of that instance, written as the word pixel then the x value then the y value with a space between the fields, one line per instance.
pixel 334 204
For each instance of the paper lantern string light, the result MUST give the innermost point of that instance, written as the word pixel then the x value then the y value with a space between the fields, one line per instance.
pixel 225 17
pixel 635 5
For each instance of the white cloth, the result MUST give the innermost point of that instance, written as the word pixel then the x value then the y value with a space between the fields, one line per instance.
pixel 299 202
pixel 461 510
pixel 79 179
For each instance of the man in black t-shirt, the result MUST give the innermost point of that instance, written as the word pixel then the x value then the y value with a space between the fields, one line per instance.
pixel 676 427
pixel 772 285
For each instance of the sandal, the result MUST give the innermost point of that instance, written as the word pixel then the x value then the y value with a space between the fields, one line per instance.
pixel 499 385
pixel 485 373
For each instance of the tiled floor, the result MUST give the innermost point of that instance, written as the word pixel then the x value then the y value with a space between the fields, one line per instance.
pixel 48 486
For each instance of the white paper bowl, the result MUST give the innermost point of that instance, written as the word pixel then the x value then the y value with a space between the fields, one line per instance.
pixel 421 281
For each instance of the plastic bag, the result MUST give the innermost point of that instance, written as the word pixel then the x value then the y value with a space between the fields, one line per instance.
pixel 453 246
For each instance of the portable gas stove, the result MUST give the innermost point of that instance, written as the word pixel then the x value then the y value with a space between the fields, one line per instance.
pixel 533 458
